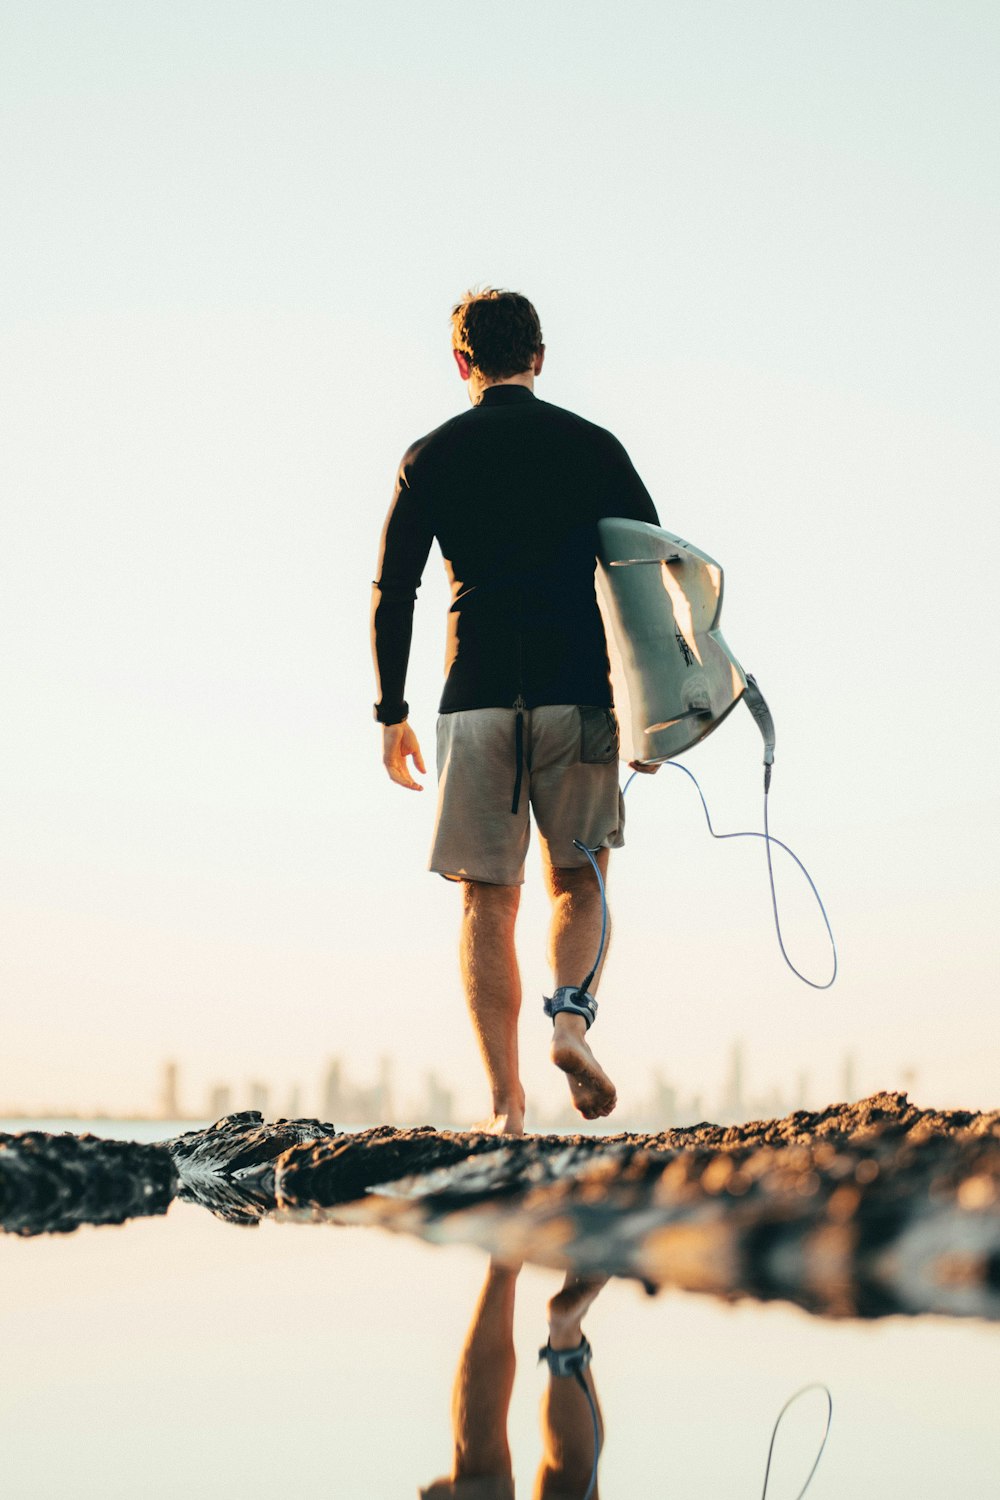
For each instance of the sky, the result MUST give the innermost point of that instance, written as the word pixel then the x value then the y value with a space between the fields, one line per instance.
pixel 762 241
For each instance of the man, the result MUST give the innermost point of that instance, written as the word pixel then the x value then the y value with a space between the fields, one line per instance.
pixel 512 491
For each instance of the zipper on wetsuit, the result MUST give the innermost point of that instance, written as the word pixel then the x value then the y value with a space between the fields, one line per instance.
pixel 519 706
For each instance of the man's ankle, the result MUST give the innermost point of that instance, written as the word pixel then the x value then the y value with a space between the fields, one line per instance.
pixel 565 1335
pixel 567 1023
pixel 509 1104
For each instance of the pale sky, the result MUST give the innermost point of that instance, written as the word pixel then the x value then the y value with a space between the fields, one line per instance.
pixel 762 241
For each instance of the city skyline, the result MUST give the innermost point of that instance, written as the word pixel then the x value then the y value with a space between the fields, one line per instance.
pixel 342 1101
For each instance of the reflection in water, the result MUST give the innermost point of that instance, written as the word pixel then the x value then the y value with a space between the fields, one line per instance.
pixel 866 1209
pixel 570 1411
pixel 571 1418
pixel 871 1208
pixel 805 1391
pixel 179 1357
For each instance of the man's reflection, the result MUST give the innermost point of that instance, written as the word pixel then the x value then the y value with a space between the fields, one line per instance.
pixel 481 1466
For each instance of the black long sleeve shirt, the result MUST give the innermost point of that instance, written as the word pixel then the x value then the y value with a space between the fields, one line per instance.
pixel 512 490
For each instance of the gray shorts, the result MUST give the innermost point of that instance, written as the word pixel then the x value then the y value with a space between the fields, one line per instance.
pixel 569 781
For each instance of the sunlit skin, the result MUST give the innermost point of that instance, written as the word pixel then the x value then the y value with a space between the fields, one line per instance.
pixel 484 1381
pixel 567 1427
pixel 486 947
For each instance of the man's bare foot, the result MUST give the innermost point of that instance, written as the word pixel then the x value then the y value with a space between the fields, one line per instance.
pixel 590 1088
pixel 568 1308
pixel 507 1122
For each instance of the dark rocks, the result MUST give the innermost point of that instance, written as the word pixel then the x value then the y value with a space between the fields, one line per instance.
pixel 335 1171
pixel 239 1200
pixel 859 1209
pixel 239 1141
pixel 492 1166
pixel 54 1183
pixel 228 1167
pixel 863 1210
pixel 885 1116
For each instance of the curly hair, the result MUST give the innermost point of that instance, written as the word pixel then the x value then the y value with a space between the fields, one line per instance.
pixel 497 331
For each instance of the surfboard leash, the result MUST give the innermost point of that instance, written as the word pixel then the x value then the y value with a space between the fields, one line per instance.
pixel 768 838
pixel 573 1362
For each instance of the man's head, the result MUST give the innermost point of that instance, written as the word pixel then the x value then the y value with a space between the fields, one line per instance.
pixel 496 337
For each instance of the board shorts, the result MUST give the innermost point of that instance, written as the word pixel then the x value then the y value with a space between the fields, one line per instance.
pixel 566 773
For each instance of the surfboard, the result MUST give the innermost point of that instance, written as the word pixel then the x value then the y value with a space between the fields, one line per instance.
pixel 673 675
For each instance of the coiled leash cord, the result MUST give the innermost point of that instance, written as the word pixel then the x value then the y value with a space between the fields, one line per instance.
pixel 768 838
pixel 573 1362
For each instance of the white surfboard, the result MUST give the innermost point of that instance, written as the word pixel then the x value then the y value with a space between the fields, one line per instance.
pixel 673 675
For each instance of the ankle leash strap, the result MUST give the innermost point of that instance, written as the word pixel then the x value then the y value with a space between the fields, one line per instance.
pixel 566 1361
pixel 578 1002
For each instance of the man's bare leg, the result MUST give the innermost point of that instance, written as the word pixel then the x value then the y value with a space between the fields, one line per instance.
pixel 573 938
pixel 493 989
pixel 567 1425
pixel 484 1381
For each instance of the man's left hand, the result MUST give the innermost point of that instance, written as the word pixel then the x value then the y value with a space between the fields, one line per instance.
pixel 644 767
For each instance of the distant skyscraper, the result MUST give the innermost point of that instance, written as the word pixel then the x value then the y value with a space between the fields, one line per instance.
pixel 219 1101
pixel 333 1102
pixel 258 1096
pixel 294 1103
pixel 663 1103
pixel 733 1102
pixel 170 1108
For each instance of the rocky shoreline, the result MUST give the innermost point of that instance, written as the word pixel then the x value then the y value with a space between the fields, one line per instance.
pixel 51 1184
pixel 859 1209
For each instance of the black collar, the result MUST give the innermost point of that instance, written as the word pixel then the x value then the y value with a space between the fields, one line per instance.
pixel 504 395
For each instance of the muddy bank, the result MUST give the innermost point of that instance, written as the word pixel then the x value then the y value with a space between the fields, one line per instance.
pixel 863 1209
pixel 334 1170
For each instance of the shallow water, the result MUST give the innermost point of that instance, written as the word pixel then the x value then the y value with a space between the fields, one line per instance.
pixel 185 1356
pixel 107 1126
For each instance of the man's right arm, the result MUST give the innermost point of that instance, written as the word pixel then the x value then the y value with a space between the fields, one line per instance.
pixel 406 542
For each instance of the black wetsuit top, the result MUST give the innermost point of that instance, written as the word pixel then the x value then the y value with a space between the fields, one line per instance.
pixel 512 489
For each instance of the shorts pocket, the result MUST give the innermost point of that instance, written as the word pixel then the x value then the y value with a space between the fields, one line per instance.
pixel 599 738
